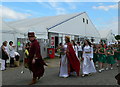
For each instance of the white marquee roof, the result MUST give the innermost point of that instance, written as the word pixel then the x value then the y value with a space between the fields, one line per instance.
pixel 42 24
pixel 107 34
pixel 104 33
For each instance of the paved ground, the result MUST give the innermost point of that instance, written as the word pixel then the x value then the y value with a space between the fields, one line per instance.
pixel 13 76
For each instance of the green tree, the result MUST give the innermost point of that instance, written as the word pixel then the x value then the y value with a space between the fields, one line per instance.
pixel 117 37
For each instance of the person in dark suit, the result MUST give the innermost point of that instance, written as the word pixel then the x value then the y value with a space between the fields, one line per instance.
pixel 117 77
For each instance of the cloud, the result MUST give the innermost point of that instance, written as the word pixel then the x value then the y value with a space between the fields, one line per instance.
pixel 111 24
pixel 57 7
pixel 60 0
pixel 69 0
pixel 57 0
pixel 60 11
pixel 106 8
pixel 100 3
pixel 51 4
pixel 8 13
pixel 72 5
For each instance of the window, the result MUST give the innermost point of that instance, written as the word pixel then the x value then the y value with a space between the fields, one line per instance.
pixel 83 20
pixel 87 21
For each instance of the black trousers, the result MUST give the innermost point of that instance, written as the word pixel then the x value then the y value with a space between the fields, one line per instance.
pixel 11 61
pixel 80 54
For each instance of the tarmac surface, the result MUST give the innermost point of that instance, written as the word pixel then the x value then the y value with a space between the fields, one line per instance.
pixel 13 76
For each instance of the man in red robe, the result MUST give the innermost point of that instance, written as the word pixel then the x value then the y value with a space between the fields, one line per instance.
pixel 35 61
pixel 74 63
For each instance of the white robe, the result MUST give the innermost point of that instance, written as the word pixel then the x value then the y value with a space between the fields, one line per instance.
pixel 88 66
pixel 11 52
pixel 64 65
pixel 2 64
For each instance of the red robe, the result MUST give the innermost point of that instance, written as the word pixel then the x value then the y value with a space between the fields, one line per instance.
pixel 38 67
pixel 74 63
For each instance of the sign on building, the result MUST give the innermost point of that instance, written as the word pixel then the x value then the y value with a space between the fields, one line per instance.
pixel 52 41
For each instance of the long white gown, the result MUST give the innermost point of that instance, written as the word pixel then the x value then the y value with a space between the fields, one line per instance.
pixel 2 64
pixel 88 66
pixel 64 65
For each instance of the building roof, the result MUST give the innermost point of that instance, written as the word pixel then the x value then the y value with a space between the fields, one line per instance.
pixel 107 34
pixel 52 24
pixel 6 28
pixel 104 33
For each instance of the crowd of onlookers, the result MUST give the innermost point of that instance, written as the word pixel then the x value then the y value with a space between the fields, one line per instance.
pixel 8 53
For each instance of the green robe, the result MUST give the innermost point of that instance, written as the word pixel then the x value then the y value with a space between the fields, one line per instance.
pixel 117 55
pixel 110 58
pixel 102 57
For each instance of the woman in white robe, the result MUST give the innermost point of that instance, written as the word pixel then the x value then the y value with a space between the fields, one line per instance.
pixel 88 64
pixel 64 63
pixel 69 61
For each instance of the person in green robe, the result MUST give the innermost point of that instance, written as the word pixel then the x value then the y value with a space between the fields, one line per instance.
pixel 102 57
pixel 110 57
pixel 117 54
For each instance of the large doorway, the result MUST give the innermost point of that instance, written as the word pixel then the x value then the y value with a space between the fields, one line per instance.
pixel 56 41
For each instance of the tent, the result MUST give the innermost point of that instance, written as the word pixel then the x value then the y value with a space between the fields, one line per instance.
pixel 107 35
pixel 7 32
pixel 67 24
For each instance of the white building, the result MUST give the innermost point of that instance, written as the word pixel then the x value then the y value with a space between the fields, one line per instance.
pixel 54 28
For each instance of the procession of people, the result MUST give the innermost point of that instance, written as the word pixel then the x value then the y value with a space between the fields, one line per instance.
pixel 74 57
pixel 89 58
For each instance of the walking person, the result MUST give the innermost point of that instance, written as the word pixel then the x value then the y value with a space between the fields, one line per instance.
pixel 63 62
pixel 95 55
pixel 117 77
pixel 102 57
pixel 110 57
pixel 5 56
pixel 69 60
pixel 26 53
pixel 117 54
pixel 59 49
pixel 88 65
pixel 11 53
pixel 79 50
pixel 35 61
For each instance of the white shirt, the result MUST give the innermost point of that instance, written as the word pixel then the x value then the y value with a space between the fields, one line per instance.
pixel 65 47
pixel 16 53
pixel 88 49
pixel 75 48
pixel 79 48
pixel 11 51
